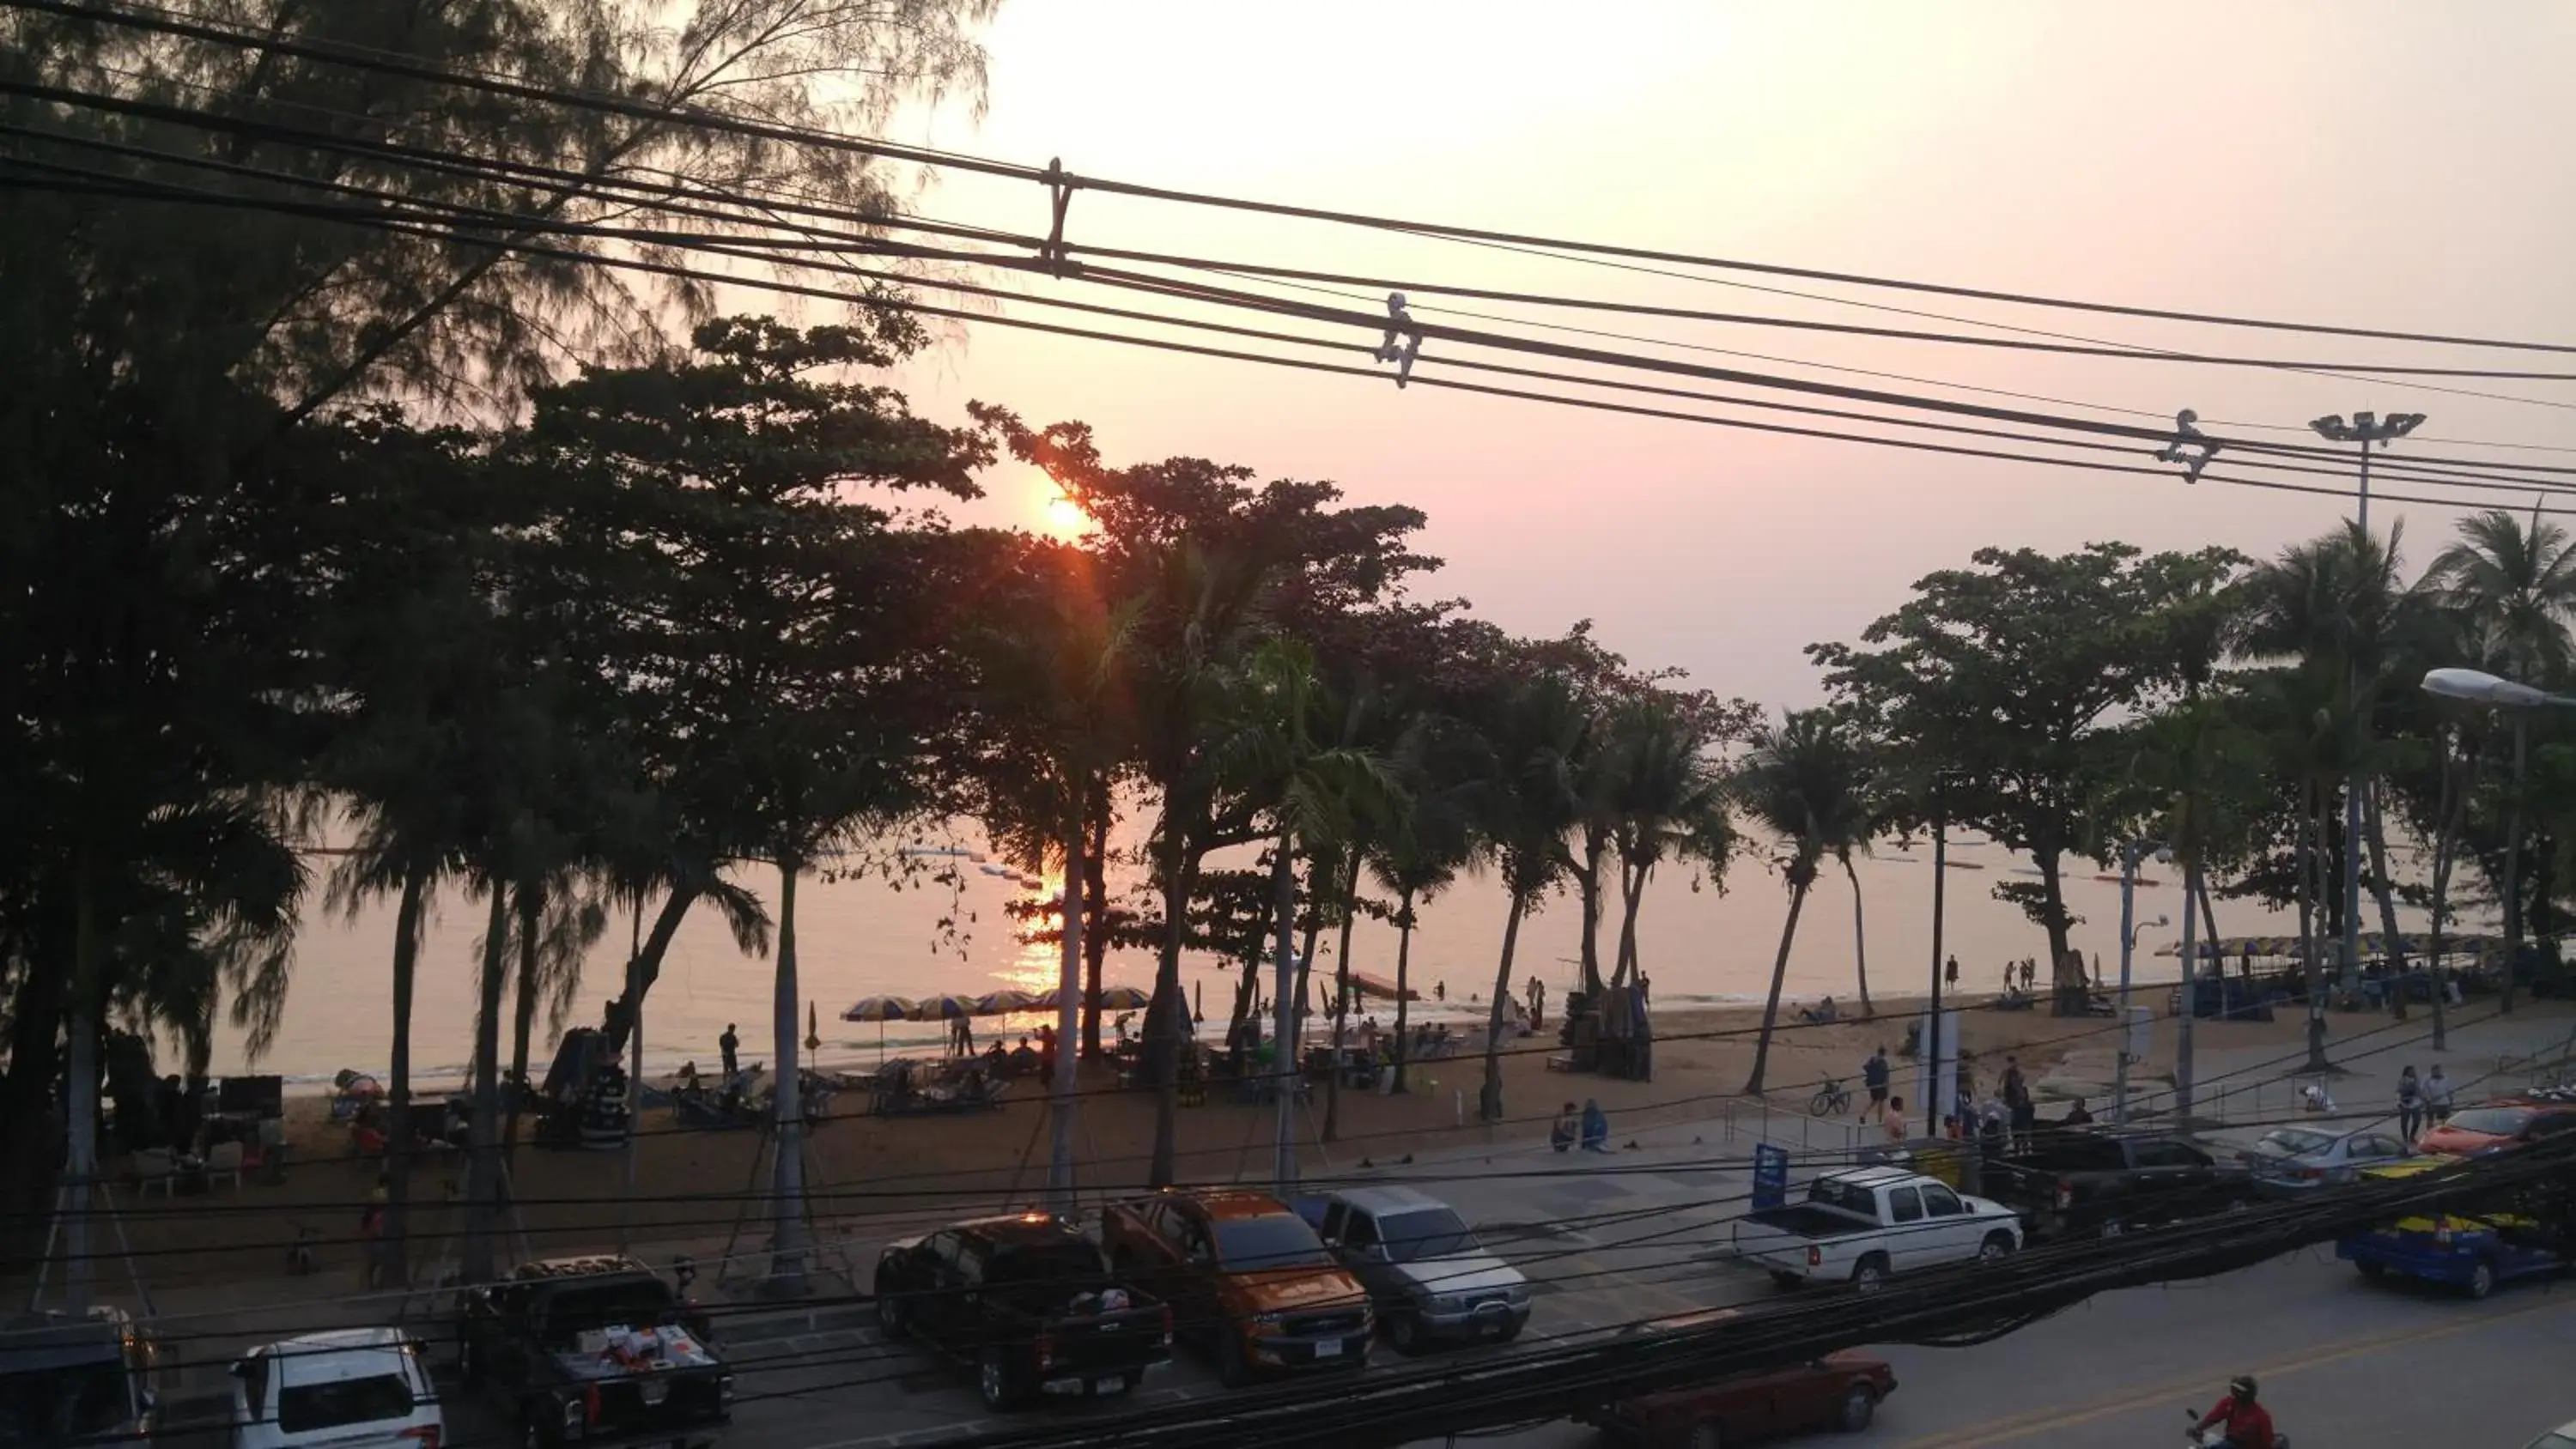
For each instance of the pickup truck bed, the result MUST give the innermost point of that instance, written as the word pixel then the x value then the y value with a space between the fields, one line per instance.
pixel 1805 1221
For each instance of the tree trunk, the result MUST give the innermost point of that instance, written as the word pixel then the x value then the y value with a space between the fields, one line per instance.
pixel 1403 988
pixel 1489 1099
pixel 2311 896
pixel 1095 909
pixel 1341 995
pixel 483 1164
pixel 787 1179
pixel 2067 995
pixel 642 970
pixel 27 1123
pixel 2392 946
pixel 1164 1016
pixel 1068 984
pixel 1318 890
pixel 1283 1054
pixel 1588 888
pixel 407 917
pixel 1632 894
pixel 80 1088
pixel 1802 875
pixel 532 904
pixel 1860 940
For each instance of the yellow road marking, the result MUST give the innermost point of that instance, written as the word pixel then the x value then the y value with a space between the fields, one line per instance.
pixel 2023 1425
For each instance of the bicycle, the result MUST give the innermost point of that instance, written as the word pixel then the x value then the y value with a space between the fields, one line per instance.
pixel 1831 1100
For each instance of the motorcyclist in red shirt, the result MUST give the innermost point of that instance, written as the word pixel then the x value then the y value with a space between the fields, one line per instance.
pixel 2247 1425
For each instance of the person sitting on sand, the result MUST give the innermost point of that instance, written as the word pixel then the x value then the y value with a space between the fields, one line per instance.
pixel 1024 1058
pixel 1596 1126
pixel 1568 1128
pixel 2077 1116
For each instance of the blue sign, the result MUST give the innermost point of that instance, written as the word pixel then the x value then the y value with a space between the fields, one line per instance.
pixel 1770 1177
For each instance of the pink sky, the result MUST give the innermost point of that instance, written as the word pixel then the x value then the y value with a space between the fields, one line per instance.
pixel 2374 164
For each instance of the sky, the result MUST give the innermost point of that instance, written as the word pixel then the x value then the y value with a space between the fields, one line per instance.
pixel 2347 163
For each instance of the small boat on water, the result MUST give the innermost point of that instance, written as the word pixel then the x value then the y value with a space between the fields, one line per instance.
pixel 948 850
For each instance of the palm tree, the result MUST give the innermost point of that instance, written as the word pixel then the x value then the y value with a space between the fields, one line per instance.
pixel 1803 782
pixel 1057 690
pixel 1316 793
pixel 1428 841
pixel 1668 800
pixel 1529 800
pixel 2515 585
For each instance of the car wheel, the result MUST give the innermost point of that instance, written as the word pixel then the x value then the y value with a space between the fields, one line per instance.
pixel 1233 1365
pixel 1404 1332
pixel 2481 1279
pixel 1706 1435
pixel 1859 1406
pixel 1870 1273
pixel 2370 1270
pixel 1996 1248
pixel 890 1312
pixel 1511 1329
pixel 1783 1278
pixel 993 1381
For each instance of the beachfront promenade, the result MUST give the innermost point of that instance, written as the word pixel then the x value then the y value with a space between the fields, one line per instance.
pixel 1640 1233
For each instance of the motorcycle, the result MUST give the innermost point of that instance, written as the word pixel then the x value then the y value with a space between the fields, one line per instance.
pixel 2216 1434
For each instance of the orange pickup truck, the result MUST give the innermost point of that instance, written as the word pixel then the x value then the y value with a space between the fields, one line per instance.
pixel 1246 1278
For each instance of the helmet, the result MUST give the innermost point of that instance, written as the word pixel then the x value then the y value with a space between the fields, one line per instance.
pixel 2242 1386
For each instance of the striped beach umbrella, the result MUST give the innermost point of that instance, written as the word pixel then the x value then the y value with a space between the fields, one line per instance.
pixel 1002 1002
pixel 880 1009
pixel 946 1006
pixel 1048 1000
pixel 1125 998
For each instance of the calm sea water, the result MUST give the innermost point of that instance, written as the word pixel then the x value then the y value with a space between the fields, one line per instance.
pixel 857 938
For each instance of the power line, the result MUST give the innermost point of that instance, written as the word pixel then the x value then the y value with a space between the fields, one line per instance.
pixel 167 22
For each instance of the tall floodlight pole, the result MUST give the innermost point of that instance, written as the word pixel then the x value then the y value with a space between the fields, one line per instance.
pixel 2365 429
pixel 1932 1030
pixel 2476 686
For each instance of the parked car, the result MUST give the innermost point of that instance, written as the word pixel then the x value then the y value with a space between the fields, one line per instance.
pixel 356 1388
pixel 1028 1301
pixel 2470 1252
pixel 2098 1184
pixel 1864 1224
pixel 1427 1275
pixel 2562 1437
pixel 67 1379
pixel 2497 1125
pixel 1839 1391
pixel 2291 1161
pixel 1246 1278
pixel 590 1348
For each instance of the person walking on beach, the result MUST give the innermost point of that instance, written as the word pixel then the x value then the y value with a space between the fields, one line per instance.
pixel 371 1234
pixel 731 1047
pixel 2410 1104
pixel 1950 972
pixel 2018 1106
pixel 1891 1125
pixel 1873 1075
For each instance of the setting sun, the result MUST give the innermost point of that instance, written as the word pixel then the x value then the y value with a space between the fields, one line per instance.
pixel 1065 518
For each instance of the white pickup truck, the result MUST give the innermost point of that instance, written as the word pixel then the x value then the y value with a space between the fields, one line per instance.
pixel 1867 1223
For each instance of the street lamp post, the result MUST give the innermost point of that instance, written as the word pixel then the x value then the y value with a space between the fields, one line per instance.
pixel 2476 686
pixel 2129 859
pixel 1931 1047
pixel 2365 429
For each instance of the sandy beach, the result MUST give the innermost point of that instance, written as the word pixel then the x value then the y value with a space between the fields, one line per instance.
pixel 867 1173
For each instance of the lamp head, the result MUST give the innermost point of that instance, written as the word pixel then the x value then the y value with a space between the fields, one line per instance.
pixel 2476 686
pixel 2331 428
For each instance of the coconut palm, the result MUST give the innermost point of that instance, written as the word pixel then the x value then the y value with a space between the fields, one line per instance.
pixel 1528 801
pixel 1803 781
pixel 1667 801
pixel 1316 794
pixel 2515 586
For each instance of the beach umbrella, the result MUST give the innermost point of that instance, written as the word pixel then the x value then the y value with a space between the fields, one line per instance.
pixel 880 1009
pixel 946 1006
pixel 1002 1002
pixel 1052 1000
pixel 1124 998
pixel 813 1038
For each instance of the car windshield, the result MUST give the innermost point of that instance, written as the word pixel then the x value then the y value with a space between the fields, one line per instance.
pixel 338 1403
pixel 2296 1141
pixel 1280 1240
pixel 2493 1121
pixel 48 1407
pixel 1428 1233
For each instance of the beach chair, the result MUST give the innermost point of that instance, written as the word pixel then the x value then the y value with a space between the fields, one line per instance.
pixel 223 1160
pixel 154 1170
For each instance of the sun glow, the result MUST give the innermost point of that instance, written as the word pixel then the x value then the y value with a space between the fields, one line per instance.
pixel 1065 518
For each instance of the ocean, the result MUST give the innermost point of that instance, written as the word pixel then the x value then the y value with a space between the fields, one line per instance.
pixel 858 937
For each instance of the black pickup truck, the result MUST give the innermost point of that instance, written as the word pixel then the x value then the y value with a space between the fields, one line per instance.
pixel 2084 1183
pixel 1027 1300
pixel 595 1350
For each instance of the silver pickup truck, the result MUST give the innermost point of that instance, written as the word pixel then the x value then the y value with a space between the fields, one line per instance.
pixel 1429 1277
pixel 1868 1223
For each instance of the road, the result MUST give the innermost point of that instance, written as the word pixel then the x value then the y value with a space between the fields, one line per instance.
pixel 2343 1364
